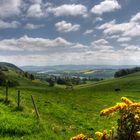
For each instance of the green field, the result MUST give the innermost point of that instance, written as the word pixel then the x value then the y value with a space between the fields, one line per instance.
pixel 63 113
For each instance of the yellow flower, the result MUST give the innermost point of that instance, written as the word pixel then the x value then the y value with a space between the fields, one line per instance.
pixel 103 135
pixel 121 105
pixel 138 133
pixel 107 111
pixel 135 105
pixel 136 117
pixel 126 100
pixel 79 137
pixel 99 134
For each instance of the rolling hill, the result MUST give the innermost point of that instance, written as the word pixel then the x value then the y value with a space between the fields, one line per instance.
pixel 130 82
pixel 14 73
pixel 63 113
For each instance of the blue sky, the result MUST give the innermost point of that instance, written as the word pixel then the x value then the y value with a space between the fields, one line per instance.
pixel 59 32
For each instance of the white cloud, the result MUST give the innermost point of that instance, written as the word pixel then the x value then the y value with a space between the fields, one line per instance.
pixel 5 25
pixel 35 11
pixel 64 26
pixel 88 31
pixel 101 44
pixel 124 39
pixel 9 8
pixel 78 45
pixel 33 44
pixel 106 6
pixel 132 48
pixel 112 27
pixel 120 57
pixel 136 18
pixel 98 19
pixel 68 10
pixel 113 36
pixel 31 26
pixel 126 29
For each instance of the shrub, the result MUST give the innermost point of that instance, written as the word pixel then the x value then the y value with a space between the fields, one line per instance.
pixel 128 123
pixel 2 79
pixel 12 83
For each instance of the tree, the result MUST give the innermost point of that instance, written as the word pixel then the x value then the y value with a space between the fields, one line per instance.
pixel 32 77
pixel 2 79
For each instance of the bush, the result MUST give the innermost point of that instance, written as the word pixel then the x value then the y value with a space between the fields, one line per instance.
pixel 128 127
pixel 2 79
pixel 11 83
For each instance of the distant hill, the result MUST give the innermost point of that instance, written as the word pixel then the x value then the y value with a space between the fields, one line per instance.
pixel 9 66
pixel 72 67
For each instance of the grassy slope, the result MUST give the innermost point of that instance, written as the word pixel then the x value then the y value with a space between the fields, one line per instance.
pixel 64 113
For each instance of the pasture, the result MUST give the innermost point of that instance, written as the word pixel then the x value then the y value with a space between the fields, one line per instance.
pixel 63 113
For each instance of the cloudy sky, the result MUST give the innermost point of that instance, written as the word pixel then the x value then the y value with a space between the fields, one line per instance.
pixel 58 32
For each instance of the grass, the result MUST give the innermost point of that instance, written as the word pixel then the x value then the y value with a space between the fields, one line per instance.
pixel 64 113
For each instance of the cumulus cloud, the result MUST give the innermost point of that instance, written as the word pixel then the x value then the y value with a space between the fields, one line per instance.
pixel 10 8
pixel 64 26
pixel 88 31
pixel 135 18
pixel 126 29
pixel 106 6
pixel 31 26
pixel 132 48
pixel 101 44
pixel 124 39
pixel 35 11
pixel 68 10
pixel 5 25
pixel 78 46
pixel 98 19
pixel 33 44
pixel 123 56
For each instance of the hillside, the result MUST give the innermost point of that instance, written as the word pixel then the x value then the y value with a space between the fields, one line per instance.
pixel 63 113
pixel 126 83
pixel 9 66
pixel 15 74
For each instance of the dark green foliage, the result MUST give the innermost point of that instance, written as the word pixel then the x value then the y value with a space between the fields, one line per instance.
pixel 32 77
pixel 124 72
pixel 12 83
pixel 2 79
pixel 3 68
pixel 51 82
pixel 6 66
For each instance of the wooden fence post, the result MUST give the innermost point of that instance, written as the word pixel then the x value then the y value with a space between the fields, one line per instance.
pixel 36 110
pixel 6 94
pixel 18 104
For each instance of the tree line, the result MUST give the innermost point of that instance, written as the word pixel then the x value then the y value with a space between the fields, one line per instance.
pixel 124 72
pixel 69 81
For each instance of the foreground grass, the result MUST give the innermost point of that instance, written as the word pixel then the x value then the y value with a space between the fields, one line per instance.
pixel 64 113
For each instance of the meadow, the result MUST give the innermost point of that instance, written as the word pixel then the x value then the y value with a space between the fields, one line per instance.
pixel 63 113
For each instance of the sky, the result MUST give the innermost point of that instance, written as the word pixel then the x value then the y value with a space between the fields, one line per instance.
pixel 62 32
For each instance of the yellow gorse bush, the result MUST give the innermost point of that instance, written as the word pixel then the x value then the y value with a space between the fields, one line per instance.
pixel 81 137
pixel 126 100
pixel 107 111
pixel 129 121
pixel 128 127
pixel 103 135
